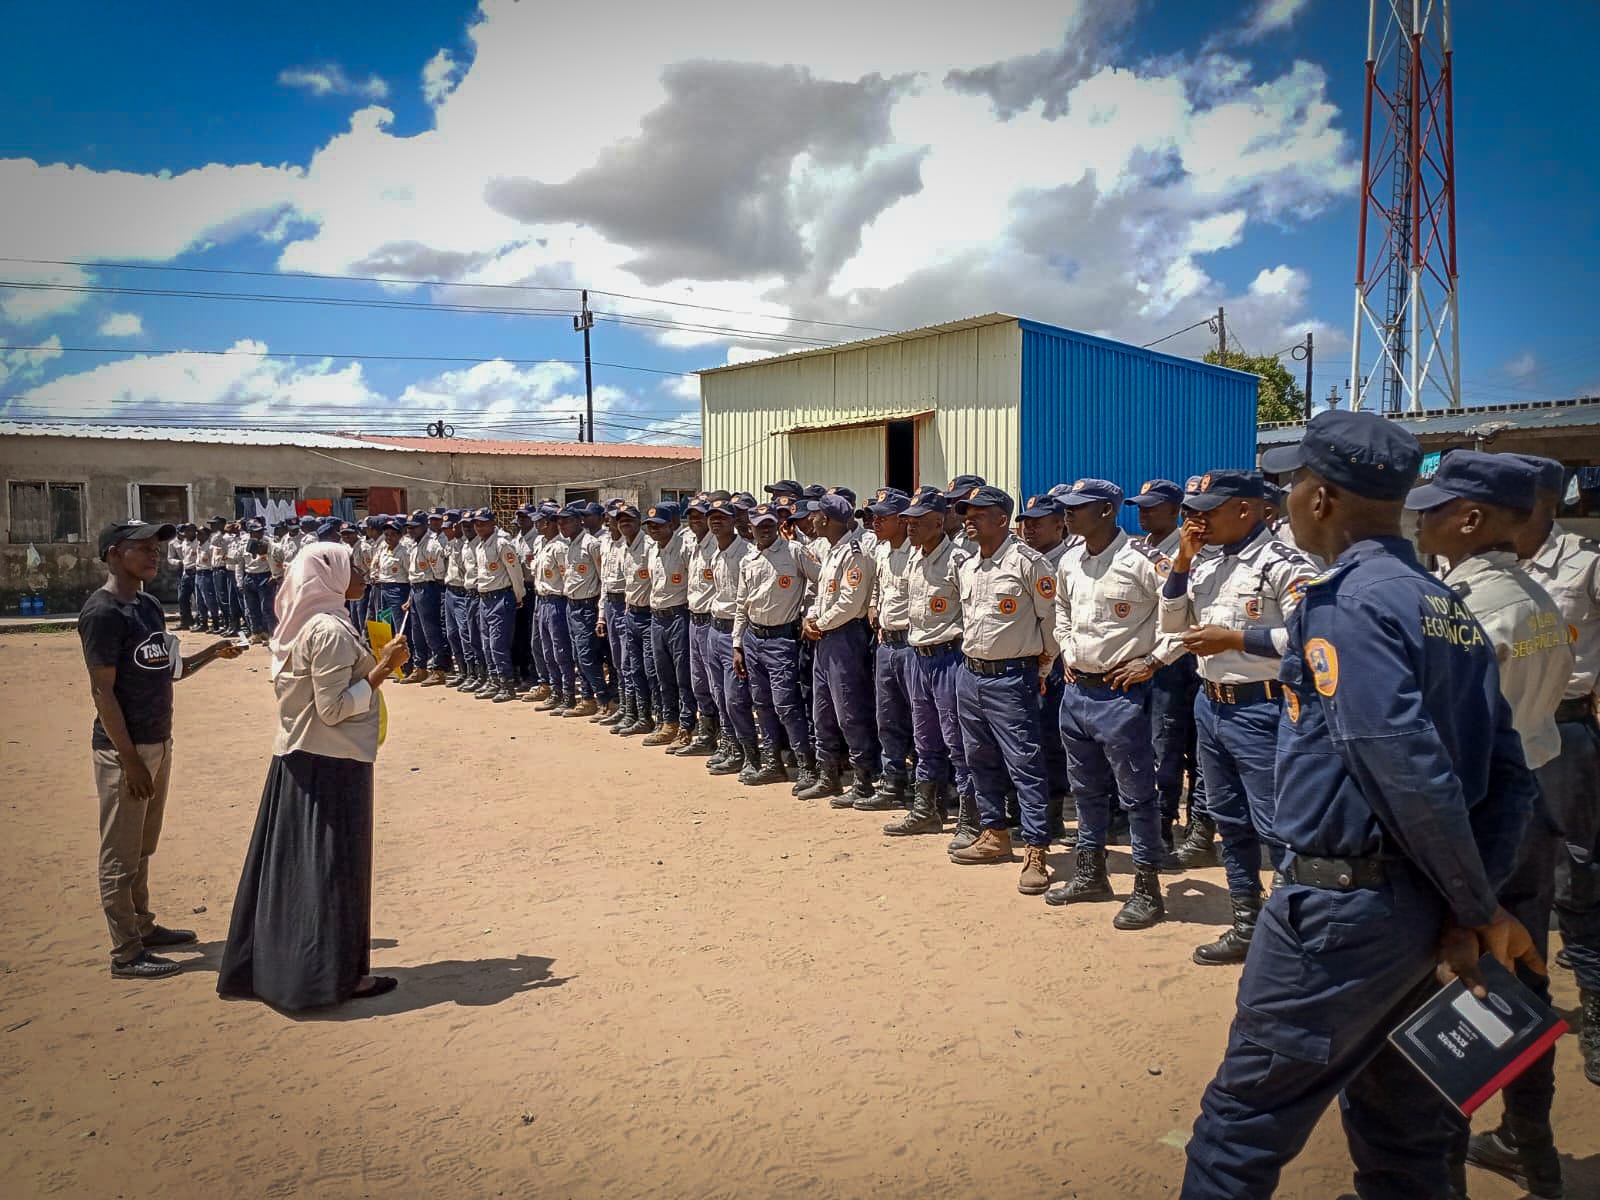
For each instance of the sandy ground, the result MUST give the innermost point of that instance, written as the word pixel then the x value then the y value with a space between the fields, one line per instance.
pixel 618 977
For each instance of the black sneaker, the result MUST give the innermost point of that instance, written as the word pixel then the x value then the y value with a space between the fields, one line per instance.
pixel 160 936
pixel 146 966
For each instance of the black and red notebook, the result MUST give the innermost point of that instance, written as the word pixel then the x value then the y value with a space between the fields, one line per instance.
pixel 1469 1048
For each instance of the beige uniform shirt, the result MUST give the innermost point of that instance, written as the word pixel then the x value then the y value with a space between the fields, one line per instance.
pixel 1530 642
pixel 582 578
pixel 614 565
pixel 702 574
pixel 550 566
pixel 1106 605
pixel 845 582
pixel 725 567
pixel 469 562
pixel 1567 566
pixel 669 570
pixel 933 594
pixel 390 566
pixel 498 565
pixel 1254 589
pixel 772 585
pixel 636 557
pixel 892 585
pixel 1008 604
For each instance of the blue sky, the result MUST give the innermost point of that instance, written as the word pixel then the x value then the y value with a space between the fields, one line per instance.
pixel 1070 165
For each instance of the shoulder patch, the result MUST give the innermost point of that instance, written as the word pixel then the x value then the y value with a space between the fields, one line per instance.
pixel 1046 586
pixel 1323 660
pixel 1297 586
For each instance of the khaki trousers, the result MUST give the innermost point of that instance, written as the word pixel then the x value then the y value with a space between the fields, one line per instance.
pixel 129 831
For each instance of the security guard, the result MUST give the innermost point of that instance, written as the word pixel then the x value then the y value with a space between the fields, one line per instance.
pixel 614 613
pixel 702 589
pixel 500 591
pixel 550 589
pixel 391 568
pixel 1043 526
pixel 422 570
pixel 188 548
pixel 1469 514
pixel 639 652
pixel 737 747
pixel 1231 607
pixel 472 631
pixel 668 558
pixel 892 656
pixel 1402 796
pixel 933 604
pixel 455 599
pixel 841 681
pixel 214 562
pixel 955 528
pixel 257 569
pixel 580 584
pixel 1567 566
pixel 773 581
pixel 527 651
pixel 1107 590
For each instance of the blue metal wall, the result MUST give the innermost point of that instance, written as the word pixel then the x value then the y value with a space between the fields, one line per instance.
pixel 1094 407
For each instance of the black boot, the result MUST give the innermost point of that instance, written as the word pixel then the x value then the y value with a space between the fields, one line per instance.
pixel 1145 907
pixel 1088 882
pixel 641 721
pixel 623 717
pixel 891 792
pixel 827 783
pixel 704 741
pixel 762 767
pixel 507 692
pixel 1234 944
pixel 489 690
pixel 924 816
pixel 806 773
pixel 725 746
pixel 1589 1035
pixel 967 825
pixel 1167 862
pixel 1199 849
pixel 1524 1152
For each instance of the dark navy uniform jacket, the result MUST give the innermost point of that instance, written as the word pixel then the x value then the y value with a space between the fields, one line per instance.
pixel 1395 740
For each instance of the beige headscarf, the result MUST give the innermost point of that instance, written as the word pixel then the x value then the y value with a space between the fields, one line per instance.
pixel 315 583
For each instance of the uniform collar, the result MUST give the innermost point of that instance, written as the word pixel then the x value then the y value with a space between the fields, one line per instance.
pixel 1246 541
pixel 1117 543
pixel 1000 550
pixel 1550 553
pixel 1397 547
pixel 1488 562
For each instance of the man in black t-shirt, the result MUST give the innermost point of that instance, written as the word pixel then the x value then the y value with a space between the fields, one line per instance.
pixel 132 663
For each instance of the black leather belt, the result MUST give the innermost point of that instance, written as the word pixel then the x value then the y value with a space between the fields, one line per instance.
pixel 893 637
pixel 1579 708
pixel 700 618
pixel 1092 678
pixel 792 629
pixel 939 648
pixel 1242 693
pixel 615 597
pixel 190 570
pixel 846 627
pixel 585 601
pixel 725 624
pixel 639 610
pixel 1336 874
pixel 992 667
pixel 455 587
pixel 667 613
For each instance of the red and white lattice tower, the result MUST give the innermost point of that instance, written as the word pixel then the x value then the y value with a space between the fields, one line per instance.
pixel 1407 311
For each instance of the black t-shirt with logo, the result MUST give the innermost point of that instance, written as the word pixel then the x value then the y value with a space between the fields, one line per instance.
pixel 131 635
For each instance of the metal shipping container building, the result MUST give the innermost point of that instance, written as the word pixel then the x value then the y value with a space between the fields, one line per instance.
pixel 1023 404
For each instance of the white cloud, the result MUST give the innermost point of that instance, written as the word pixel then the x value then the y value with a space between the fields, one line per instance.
pixel 329 79
pixel 1272 16
pixel 440 74
pixel 1522 366
pixel 25 364
pixel 122 325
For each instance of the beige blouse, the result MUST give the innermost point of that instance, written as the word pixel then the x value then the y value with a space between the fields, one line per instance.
pixel 325 704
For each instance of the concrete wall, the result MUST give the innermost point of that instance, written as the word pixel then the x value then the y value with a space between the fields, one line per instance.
pixel 108 467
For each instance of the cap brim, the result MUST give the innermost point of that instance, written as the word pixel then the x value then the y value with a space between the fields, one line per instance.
pixel 1078 499
pixel 961 506
pixel 1280 460
pixel 763 518
pixel 1206 501
pixel 1149 500
pixel 922 510
pixel 1428 495
pixel 1034 513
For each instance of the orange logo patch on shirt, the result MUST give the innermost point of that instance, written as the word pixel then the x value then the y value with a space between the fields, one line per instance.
pixel 938 604
pixel 1297 587
pixel 494 565
pixel 1252 608
pixel 641 573
pixel 676 577
pixel 1122 608
pixel 549 572
pixel 1323 660
pixel 853 576
pixel 785 581
pixel 706 574
pixel 582 568
pixel 1008 605
pixel 833 586
pixel 1291 702
pixel 1047 587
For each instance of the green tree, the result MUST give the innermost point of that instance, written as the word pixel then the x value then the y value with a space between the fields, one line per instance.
pixel 1278 397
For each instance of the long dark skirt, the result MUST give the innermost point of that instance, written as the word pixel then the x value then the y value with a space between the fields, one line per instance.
pixel 302 918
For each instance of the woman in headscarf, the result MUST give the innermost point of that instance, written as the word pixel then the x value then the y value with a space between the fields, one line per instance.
pixel 302 916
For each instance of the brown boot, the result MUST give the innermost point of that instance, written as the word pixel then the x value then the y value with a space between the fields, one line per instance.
pixel 433 679
pixel 583 708
pixel 685 736
pixel 992 846
pixel 665 735
pixel 1035 873
pixel 412 676
pixel 540 693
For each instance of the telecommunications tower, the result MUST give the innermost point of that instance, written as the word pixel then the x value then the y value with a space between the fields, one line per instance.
pixel 1406 342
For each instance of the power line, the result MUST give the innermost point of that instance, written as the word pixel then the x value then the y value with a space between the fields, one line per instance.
pixel 1176 332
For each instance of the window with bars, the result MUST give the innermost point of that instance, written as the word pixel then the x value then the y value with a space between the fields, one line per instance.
pixel 505 500
pixel 46 512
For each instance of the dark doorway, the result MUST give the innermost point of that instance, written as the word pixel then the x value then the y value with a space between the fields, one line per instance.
pixel 900 455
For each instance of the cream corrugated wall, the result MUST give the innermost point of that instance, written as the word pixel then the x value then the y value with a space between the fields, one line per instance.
pixel 970 377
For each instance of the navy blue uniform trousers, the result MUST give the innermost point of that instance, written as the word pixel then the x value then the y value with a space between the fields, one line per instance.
pixel 935 721
pixel 616 614
pixel 1110 755
pixel 455 625
pixel 1172 693
pixel 1570 785
pixel 1238 746
pixel 842 709
pixel 428 600
pixel 773 665
pixel 205 596
pixel 186 591
pixel 669 645
pixel 1000 735
pixel 582 615
pixel 498 614
pixel 1328 976
pixel 730 693
pixel 222 597
pixel 472 632
pixel 1057 778
pixel 258 601
pixel 705 696
pixel 555 640
pixel 891 678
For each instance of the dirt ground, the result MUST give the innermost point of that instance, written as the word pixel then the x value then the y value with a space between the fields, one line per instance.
pixel 618 977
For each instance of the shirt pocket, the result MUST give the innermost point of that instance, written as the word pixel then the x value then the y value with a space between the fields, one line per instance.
pixel 1117 602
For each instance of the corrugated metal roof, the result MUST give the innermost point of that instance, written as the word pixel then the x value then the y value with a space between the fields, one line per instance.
pixel 1533 416
pixel 907 336
pixel 542 449
pixel 160 433
pixel 913 414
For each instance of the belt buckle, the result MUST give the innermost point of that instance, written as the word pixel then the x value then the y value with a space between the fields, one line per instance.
pixel 1229 696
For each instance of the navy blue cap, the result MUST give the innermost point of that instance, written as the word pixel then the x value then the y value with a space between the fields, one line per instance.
pixel 927 500
pixel 962 484
pixel 848 493
pixel 983 496
pixel 373 522
pixel 890 502
pixel 721 504
pixel 835 506
pixel 392 523
pixel 700 504
pixel 744 500
pixel 573 511
pixel 1091 491
pixel 1503 480
pixel 483 514
pixel 628 510
pixel 415 519
pixel 766 512
pixel 1060 489
pixel 814 492
pixel 306 522
pixel 328 529
pixel 438 512
pixel 1216 488
pixel 1275 495
pixel 1551 473
pixel 593 509
pixel 662 513
pixel 1360 451
pixel 1043 506
pixel 784 487
pixel 1156 491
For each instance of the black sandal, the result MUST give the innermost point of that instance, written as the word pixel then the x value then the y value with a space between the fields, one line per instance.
pixel 380 985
